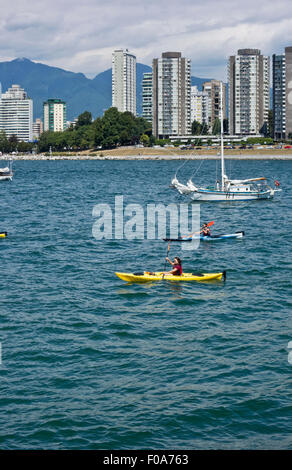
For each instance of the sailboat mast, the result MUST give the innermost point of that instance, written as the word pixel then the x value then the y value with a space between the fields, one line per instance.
pixel 222 144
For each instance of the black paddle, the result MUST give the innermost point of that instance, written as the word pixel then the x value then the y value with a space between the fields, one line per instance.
pixel 180 239
pixel 168 248
pixel 186 238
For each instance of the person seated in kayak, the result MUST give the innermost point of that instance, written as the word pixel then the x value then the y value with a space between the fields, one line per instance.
pixel 205 230
pixel 176 265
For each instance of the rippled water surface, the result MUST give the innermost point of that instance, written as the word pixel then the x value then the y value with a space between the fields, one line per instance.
pixel 89 362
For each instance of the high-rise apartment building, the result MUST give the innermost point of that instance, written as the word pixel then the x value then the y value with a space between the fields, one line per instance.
pixel 199 106
pixel 16 113
pixel 147 96
pixel 212 89
pixel 55 115
pixel 171 95
pixel 124 81
pixel 288 66
pixel 279 96
pixel 282 94
pixel 249 92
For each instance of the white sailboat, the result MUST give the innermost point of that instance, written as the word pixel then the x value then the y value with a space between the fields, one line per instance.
pixel 228 189
pixel 6 173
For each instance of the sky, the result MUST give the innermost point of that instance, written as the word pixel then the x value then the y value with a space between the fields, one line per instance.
pixel 80 35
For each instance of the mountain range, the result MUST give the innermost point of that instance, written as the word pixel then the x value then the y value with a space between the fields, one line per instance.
pixel 42 82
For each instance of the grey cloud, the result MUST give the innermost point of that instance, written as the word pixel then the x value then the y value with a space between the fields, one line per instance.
pixel 21 25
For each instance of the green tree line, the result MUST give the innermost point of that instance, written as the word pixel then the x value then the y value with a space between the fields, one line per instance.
pixel 12 144
pixel 109 131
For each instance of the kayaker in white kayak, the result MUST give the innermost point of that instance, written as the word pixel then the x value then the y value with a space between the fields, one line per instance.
pixel 177 266
pixel 205 230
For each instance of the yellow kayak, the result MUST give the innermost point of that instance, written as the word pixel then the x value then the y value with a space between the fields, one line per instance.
pixel 159 276
pixel 3 234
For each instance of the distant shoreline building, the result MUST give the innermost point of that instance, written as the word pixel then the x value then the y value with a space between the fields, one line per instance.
pixel 288 66
pixel 249 92
pixel 55 115
pixel 147 96
pixel 124 81
pixel 37 128
pixel 282 94
pixel 212 89
pixel 199 106
pixel 16 113
pixel 171 95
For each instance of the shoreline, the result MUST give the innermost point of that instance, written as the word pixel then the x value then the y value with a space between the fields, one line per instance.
pixel 87 157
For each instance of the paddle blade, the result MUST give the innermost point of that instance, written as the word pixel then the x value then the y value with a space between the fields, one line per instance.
pixel 210 223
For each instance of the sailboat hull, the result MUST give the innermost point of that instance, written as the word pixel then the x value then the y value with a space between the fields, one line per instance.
pixel 205 195
pixel 6 177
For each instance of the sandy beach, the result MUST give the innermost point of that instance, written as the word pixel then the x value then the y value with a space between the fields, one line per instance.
pixel 132 153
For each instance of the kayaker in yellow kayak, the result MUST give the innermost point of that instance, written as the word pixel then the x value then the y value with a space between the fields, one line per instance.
pixel 177 266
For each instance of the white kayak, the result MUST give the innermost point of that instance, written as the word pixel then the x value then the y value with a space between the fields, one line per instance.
pixel 208 238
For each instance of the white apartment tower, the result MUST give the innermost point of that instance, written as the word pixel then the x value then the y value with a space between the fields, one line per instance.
pixel 171 95
pixel 124 81
pixel 16 113
pixel 249 92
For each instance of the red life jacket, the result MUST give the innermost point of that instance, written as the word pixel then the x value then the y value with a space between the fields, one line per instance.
pixel 178 269
pixel 207 233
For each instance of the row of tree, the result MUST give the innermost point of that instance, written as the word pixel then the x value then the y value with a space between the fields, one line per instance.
pixel 12 144
pixel 109 131
pixel 202 129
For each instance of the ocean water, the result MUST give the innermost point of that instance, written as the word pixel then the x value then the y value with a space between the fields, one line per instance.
pixel 89 362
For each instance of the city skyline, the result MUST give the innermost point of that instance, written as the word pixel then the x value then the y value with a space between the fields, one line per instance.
pixel 83 41
pixel 172 104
